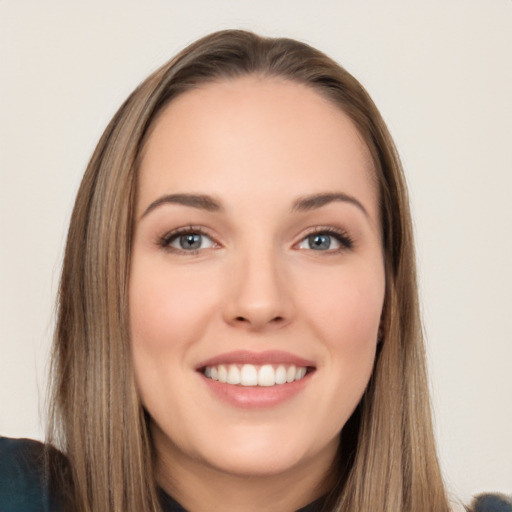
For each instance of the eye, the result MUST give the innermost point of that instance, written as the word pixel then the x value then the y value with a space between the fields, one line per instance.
pixel 191 240
pixel 326 241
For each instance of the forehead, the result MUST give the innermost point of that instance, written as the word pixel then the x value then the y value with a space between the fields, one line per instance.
pixel 254 128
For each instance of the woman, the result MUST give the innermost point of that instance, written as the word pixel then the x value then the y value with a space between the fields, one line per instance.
pixel 238 320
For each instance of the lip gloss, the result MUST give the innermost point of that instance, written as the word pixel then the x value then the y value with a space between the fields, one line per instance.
pixel 255 396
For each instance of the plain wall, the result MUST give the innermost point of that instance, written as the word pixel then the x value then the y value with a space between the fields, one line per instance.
pixel 441 73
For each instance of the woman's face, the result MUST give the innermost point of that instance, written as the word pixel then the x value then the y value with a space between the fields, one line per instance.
pixel 257 261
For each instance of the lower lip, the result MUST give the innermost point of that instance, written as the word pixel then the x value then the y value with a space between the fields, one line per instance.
pixel 254 397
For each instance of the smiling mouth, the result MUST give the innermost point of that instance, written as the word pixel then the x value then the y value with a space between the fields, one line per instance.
pixel 266 375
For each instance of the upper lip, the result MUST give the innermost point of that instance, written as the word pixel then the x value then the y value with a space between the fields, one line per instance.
pixel 256 358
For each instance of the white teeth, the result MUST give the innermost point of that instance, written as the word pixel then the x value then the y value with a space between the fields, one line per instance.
pixel 280 374
pixel 233 374
pixel 223 373
pixel 250 375
pixel 301 372
pixel 266 376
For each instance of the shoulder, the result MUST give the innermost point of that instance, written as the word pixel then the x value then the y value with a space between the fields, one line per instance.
pixel 23 486
pixel 491 502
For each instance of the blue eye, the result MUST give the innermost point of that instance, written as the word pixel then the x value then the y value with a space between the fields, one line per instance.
pixel 326 241
pixel 189 241
pixel 320 242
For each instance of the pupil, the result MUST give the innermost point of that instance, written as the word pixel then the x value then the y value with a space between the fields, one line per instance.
pixel 191 241
pixel 320 241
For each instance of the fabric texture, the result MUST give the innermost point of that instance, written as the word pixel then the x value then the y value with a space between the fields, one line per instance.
pixel 22 487
pixel 495 502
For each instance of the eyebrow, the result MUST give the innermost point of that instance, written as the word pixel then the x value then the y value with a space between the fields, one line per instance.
pixel 200 201
pixel 312 202
pixel 205 202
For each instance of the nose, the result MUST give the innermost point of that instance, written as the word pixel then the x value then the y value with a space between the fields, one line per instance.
pixel 259 295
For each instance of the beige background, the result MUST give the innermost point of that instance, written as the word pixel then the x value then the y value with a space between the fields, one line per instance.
pixel 441 73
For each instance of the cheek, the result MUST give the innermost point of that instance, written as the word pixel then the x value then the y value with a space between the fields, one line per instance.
pixel 167 307
pixel 169 311
pixel 347 306
pixel 345 311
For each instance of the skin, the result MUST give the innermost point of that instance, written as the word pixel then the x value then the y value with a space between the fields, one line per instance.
pixel 255 145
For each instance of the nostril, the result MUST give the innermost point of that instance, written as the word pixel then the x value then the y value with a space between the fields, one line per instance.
pixel 275 320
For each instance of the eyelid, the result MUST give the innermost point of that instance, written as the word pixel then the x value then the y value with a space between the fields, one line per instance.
pixel 342 236
pixel 165 241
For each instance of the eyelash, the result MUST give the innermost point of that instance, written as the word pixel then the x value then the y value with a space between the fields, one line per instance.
pixel 341 236
pixel 165 241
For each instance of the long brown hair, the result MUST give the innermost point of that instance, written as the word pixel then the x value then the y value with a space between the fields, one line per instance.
pixel 387 461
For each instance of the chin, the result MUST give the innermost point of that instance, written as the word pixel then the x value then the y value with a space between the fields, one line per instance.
pixel 260 455
pixel 257 464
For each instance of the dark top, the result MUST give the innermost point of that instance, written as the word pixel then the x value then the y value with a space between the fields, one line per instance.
pixel 23 487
